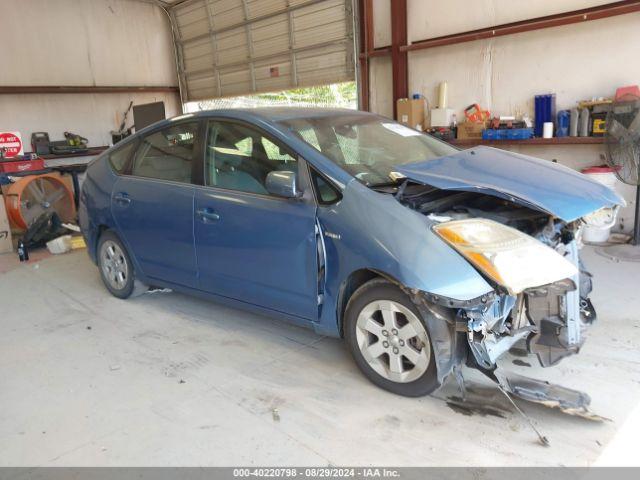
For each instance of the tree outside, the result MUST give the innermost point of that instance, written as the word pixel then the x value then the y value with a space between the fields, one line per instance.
pixel 342 95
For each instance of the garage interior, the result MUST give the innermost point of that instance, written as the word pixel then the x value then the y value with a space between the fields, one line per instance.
pixel 165 379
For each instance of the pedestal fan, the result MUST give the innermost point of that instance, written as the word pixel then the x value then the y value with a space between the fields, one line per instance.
pixel 623 155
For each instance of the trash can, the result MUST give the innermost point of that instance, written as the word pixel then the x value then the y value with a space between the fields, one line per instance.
pixel 600 227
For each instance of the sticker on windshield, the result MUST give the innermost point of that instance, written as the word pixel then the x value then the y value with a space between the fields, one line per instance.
pixel 401 129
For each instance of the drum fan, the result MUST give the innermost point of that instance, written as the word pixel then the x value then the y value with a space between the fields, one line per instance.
pixel 36 195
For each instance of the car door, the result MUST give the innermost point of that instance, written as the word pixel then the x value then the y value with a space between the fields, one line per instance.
pixel 250 245
pixel 153 204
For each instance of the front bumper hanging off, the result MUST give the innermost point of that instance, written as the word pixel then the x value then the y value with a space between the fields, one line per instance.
pixel 571 402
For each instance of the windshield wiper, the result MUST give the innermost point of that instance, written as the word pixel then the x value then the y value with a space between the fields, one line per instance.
pixel 383 184
pixel 395 179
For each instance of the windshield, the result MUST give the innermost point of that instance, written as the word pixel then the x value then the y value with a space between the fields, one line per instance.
pixel 369 147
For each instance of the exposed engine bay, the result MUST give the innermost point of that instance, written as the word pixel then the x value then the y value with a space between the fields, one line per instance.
pixel 549 320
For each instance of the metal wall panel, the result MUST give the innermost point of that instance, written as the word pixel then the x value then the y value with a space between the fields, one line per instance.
pixel 238 47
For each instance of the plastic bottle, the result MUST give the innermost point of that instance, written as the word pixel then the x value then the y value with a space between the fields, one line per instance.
pixel 562 125
pixel 454 126
pixel 23 253
pixel 573 124
pixel 583 127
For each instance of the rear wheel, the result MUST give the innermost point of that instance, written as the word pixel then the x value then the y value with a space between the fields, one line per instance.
pixel 116 268
pixel 389 340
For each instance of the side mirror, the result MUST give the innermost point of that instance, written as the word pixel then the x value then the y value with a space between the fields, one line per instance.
pixel 282 184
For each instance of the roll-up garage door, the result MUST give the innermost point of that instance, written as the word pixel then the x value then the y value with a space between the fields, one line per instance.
pixel 238 47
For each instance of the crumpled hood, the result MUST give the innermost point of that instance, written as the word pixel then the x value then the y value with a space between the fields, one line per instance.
pixel 529 181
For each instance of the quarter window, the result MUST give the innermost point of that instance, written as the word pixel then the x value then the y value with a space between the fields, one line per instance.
pixel 167 154
pixel 326 193
pixel 120 157
pixel 240 158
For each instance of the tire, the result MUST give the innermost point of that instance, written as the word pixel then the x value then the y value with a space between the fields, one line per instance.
pixel 393 350
pixel 116 268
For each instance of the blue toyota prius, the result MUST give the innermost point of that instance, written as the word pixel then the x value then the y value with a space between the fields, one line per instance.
pixel 421 256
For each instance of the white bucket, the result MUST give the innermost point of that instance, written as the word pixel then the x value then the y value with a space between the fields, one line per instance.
pixel 592 234
pixel 600 233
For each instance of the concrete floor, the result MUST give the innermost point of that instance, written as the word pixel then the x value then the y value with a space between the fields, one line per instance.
pixel 164 379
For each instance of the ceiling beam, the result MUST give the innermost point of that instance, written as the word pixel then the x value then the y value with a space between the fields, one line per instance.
pixel 559 19
pixel 549 21
pixel 53 89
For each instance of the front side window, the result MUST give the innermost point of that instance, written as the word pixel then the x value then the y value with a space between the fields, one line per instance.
pixel 368 147
pixel 167 154
pixel 240 158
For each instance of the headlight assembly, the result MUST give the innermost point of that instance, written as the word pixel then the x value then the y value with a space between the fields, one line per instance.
pixel 507 256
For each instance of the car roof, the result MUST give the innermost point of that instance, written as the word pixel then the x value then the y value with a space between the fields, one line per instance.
pixel 278 114
pixel 271 115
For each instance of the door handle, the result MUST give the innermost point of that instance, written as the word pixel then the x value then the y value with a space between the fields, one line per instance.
pixel 122 198
pixel 207 215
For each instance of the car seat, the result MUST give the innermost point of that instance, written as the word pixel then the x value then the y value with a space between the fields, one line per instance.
pixel 165 167
pixel 229 175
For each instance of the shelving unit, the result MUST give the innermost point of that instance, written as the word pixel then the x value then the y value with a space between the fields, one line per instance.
pixel 470 142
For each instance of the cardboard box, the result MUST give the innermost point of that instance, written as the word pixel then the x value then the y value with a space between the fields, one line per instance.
pixel 410 112
pixel 470 130
pixel 6 243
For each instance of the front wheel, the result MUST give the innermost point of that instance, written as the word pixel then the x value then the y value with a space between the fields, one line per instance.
pixel 389 340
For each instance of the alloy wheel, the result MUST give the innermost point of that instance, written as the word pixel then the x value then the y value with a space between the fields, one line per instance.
pixel 393 341
pixel 114 265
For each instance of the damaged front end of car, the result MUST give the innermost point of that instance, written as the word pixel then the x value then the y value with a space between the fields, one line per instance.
pixel 540 304
pixel 541 298
pixel 527 248
pixel 548 320
pixel 517 220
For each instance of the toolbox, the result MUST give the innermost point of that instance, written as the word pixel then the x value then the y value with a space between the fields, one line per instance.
pixel 16 165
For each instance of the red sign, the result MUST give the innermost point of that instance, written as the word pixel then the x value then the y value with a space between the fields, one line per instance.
pixel 10 144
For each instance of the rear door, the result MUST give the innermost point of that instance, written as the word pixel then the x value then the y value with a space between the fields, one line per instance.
pixel 153 204
pixel 253 246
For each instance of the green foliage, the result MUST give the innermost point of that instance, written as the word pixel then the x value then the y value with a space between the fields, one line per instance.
pixel 335 95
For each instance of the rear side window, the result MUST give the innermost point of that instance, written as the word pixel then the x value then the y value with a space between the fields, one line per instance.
pixel 167 154
pixel 120 157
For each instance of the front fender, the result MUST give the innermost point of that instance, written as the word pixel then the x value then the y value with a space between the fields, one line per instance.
pixel 372 231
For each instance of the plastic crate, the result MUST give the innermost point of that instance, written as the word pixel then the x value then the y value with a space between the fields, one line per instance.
pixel 519 133
pixel 493 134
pixel 507 134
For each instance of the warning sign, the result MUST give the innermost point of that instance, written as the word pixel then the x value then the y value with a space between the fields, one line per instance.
pixel 11 144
